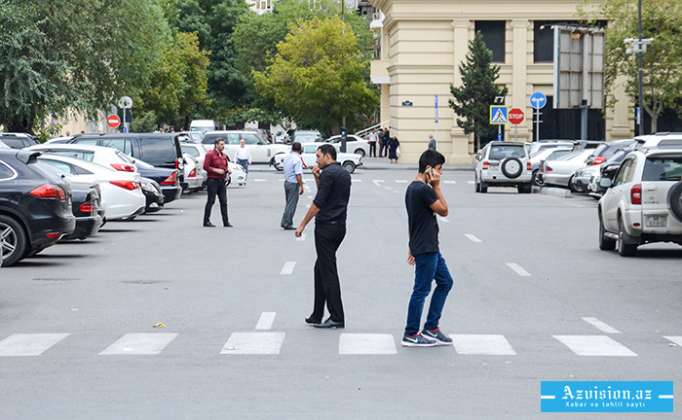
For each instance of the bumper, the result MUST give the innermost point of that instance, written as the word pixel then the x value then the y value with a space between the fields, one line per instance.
pixel 171 193
pixel 86 227
pixel 497 178
pixel 556 179
pixel 582 183
pixel 60 226
pixel 194 183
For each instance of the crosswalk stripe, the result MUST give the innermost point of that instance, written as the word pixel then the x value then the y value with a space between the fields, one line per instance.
pixel 472 238
pixel 255 343
pixel 288 268
pixel 677 339
pixel 470 182
pixel 482 344
pixel 601 326
pixel 377 182
pixel 260 180
pixel 449 181
pixel 354 181
pixel 29 344
pixel 363 344
pixel 401 181
pixel 594 345
pixel 139 344
pixel 266 320
pixel 518 269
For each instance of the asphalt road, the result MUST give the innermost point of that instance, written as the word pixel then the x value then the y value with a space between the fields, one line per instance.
pixel 534 299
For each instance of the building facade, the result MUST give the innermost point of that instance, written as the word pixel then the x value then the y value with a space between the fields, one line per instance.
pixel 421 43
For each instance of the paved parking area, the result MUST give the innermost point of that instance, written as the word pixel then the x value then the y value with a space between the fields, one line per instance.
pixel 161 318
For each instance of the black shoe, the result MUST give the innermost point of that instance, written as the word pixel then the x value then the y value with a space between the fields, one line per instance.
pixel 313 321
pixel 288 228
pixel 209 224
pixel 228 225
pixel 329 323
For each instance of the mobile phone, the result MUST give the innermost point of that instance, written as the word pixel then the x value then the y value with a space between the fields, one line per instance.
pixel 428 171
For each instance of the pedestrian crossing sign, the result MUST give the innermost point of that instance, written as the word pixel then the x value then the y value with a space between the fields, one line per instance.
pixel 498 114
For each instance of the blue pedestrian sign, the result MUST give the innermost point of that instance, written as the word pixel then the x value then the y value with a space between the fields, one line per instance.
pixel 538 100
pixel 498 115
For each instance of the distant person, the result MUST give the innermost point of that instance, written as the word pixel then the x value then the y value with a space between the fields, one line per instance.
pixel 393 145
pixel 383 146
pixel 329 209
pixel 424 199
pixel 243 156
pixel 372 140
pixel 68 134
pixel 293 184
pixel 215 165
pixel 432 143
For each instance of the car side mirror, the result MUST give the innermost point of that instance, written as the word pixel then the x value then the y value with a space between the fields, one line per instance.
pixel 605 182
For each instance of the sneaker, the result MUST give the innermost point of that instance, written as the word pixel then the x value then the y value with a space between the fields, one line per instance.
pixel 417 341
pixel 437 336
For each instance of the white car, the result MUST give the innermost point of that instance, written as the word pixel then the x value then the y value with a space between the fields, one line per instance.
pixel 503 164
pixel 643 203
pixel 349 161
pixel 261 150
pixel 194 177
pixel 547 153
pixel 120 192
pixel 560 171
pixel 238 175
pixel 105 156
pixel 354 144
pixel 669 140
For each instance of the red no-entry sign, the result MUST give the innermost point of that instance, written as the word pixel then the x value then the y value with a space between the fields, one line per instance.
pixel 113 121
pixel 516 116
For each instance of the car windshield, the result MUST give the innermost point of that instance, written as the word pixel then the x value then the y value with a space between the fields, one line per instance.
pixel 659 168
pixel 501 152
pixel 210 138
pixel 190 150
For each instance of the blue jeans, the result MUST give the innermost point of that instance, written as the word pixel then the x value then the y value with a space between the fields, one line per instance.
pixel 427 268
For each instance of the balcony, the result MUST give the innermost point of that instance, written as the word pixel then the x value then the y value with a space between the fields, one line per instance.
pixel 379 72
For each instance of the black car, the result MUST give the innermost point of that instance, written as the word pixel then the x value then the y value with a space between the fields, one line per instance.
pixel 35 206
pixel 152 194
pixel 166 178
pixel 17 140
pixel 87 208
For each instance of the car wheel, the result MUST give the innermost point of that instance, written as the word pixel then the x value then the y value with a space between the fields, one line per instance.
pixel 570 185
pixel 605 244
pixel 349 167
pixel 360 152
pixel 483 187
pixel 13 241
pixel 625 246
pixel 279 167
pixel 477 185
pixel 675 200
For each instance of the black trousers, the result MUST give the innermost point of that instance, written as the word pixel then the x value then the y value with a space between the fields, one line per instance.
pixel 383 149
pixel 216 187
pixel 372 149
pixel 328 238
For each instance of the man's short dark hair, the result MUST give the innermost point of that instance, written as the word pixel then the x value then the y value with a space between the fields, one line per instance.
pixel 328 149
pixel 296 147
pixel 218 140
pixel 430 158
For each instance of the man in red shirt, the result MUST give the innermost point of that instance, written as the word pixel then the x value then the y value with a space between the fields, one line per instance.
pixel 215 165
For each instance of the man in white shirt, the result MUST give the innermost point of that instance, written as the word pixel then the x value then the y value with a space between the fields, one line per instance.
pixel 293 184
pixel 243 156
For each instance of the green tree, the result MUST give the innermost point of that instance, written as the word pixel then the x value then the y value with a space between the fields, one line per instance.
pixel 662 22
pixel 478 91
pixel 319 76
pixel 73 55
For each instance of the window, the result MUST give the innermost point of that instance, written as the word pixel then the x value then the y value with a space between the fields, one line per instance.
pixel 76 154
pixel 158 151
pixel 190 150
pixel 310 149
pixel 122 145
pixel 250 139
pixel 624 172
pixel 89 142
pixel 504 152
pixel 5 171
pixel 61 167
pixel 543 43
pixel 13 142
pixel 494 36
pixel 662 169
pixel 211 138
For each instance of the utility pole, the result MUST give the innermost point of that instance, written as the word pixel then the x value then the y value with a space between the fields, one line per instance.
pixel 343 10
pixel 640 71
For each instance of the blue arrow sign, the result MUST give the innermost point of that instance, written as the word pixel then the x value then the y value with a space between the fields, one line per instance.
pixel 498 115
pixel 538 100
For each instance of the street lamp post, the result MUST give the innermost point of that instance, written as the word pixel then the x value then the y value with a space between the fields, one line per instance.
pixel 640 71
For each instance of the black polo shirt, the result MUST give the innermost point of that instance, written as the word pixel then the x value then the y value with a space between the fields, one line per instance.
pixel 333 193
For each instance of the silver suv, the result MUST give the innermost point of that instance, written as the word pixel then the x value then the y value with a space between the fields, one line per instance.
pixel 643 203
pixel 503 164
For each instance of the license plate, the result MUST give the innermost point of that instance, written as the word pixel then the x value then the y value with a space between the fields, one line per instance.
pixel 657 221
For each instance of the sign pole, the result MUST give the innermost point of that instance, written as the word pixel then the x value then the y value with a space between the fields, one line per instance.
pixel 125 121
pixel 537 125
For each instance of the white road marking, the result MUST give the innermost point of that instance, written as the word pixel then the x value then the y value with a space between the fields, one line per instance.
pixel 260 180
pixel 444 219
pixel 139 344
pixel 29 344
pixel 258 343
pixel 449 181
pixel 518 269
pixel 377 182
pixel 356 181
pixel 482 344
pixel 401 181
pixel 601 326
pixel 288 268
pixel 354 344
pixel 677 339
pixel 594 345
pixel 472 238
pixel 266 320
pixel 470 182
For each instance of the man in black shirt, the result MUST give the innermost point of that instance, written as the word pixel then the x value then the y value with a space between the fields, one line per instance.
pixel 329 209
pixel 423 200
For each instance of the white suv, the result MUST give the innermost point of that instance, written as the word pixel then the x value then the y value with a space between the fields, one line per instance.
pixel 643 203
pixel 503 164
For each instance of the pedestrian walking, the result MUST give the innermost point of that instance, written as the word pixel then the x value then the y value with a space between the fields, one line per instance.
pixel 372 140
pixel 393 145
pixel 215 165
pixel 385 137
pixel 329 209
pixel 424 199
pixel 293 184
pixel 243 156
pixel 432 143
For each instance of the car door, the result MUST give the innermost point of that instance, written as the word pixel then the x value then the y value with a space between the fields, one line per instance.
pixel 614 195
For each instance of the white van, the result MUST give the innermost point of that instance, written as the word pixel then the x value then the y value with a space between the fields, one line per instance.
pixel 202 125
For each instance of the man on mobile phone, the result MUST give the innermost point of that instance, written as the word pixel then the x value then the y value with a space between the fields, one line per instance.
pixel 424 200
pixel 215 165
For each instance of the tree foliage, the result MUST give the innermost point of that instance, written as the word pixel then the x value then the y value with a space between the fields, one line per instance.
pixel 478 91
pixel 319 76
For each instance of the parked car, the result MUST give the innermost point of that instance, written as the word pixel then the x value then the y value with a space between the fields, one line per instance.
pixel 581 180
pixel 542 145
pixel 152 194
pixel 194 179
pixel 547 153
pixel 59 140
pixel 503 164
pixel 307 136
pixel 261 150
pixel 87 209
pixel 349 161
pixel 659 140
pixel 608 170
pixel 560 171
pixel 103 156
pixel 166 178
pixel 121 196
pixel 18 140
pixel 35 207
pixel 238 176
pixel 201 126
pixel 354 144
pixel 643 203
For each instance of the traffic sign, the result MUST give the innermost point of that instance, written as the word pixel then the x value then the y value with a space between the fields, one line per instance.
pixel 113 121
pixel 126 102
pixel 538 100
pixel 498 114
pixel 516 116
